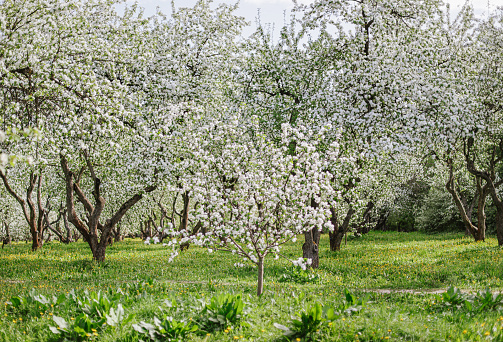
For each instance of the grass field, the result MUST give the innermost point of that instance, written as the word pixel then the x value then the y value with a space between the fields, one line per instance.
pixel 140 279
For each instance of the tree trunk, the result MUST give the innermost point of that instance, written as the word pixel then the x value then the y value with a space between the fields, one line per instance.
pixel 339 231
pixel 382 220
pixel 475 231
pixel 184 223
pixel 469 208
pixel 32 217
pixel 499 223
pixel 481 214
pixel 99 253
pixel 7 240
pixel 76 236
pixel 48 238
pixel 89 230
pixel 489 177
pixel 149 228
pixel 67 227
pixel 184 220
pixel 117 233
pixel 57 230
pixel 39 226
pixel 142 231
pixel 310 248
pixel 36 240
pixel 185 246
pixel 260 282
pixel 7 234
pixel 364 226
pixel 68 231
pixel 335 240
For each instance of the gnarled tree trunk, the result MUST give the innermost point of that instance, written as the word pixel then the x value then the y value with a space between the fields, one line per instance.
pixel 478 232
pixel 96 234
pixel 65 238
pixel 117 233
pixel 499 223
pixel 340 230
pixel 32 214
pixel 364 226
pixel 7 239
pixel 310 248
pixel 489 176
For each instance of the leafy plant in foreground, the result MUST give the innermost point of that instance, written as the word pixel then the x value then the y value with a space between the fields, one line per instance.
pixel 116 317
pixel 452 298
pixel 33 304
pixel 80 329
pixel 166 330
pixel 85 326
pixel 222 311
pixel 140 289
pixel 306 324
pixel 97 304
pixel 487 300
pixel 353 304
pixel 299 275
pixel 309 322
pixel 483 301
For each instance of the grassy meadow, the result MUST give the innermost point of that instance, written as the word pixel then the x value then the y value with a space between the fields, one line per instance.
pixel 359 290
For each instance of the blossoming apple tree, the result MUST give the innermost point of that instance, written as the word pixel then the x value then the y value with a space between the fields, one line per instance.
pixel 368 82
pixel 63 71
pixel 252 195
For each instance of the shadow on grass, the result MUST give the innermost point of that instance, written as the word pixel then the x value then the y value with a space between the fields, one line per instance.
pixel 386 238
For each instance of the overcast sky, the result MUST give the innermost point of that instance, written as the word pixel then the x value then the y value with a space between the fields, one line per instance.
pixel 273 11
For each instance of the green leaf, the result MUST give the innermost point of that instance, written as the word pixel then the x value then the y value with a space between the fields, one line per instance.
pixel 115 317
pixel 317 310
pixel 54 330
pixel 16 302
pixel 281 327
pixel 331 314
pixel 80 331
pixel 128 319
pixel 60 322
pixel 139 329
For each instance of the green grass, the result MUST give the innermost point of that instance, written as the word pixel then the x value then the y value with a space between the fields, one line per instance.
pixel 375 261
